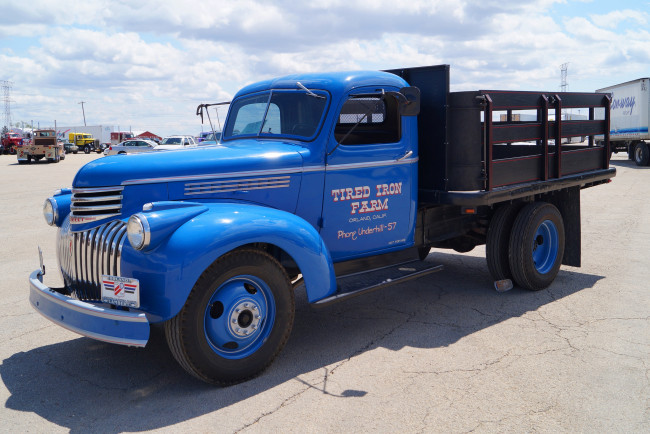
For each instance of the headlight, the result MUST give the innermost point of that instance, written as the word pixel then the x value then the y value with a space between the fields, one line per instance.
pixel 137 229
pixel 50 211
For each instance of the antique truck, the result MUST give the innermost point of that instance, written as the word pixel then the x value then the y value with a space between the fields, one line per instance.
pixel 85 142
pixel 44 145
pixel 10 142
pixel 335 184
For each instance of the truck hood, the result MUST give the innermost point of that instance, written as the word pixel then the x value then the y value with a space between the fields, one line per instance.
pixel 260 156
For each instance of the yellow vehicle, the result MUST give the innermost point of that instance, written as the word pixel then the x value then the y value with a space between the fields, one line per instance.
pixel 44 145
pixel 84 141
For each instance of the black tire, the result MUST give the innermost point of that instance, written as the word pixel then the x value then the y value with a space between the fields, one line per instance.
pixel 536 246
pixel 74 152
pixel 87 149
pixel 498 241
pixel 641 154
pixel 198 336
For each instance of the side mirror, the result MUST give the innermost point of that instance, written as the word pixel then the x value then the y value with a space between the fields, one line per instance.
pixel 411 104
pixel 408 99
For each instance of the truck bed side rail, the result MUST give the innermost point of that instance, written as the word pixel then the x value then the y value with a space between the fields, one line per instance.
pixel 523 137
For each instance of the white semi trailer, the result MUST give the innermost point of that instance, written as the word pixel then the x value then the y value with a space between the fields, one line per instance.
pixel 630 116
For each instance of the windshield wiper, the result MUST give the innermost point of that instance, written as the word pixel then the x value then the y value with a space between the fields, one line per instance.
pixel 309 92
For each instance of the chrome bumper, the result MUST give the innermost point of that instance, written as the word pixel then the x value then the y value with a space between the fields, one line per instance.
pixel 87 319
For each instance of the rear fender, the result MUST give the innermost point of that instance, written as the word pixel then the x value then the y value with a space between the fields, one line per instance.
pixel 170 270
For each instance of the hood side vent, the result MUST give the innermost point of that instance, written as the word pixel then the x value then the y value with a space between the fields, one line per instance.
pixel 92 204
pixel 230 185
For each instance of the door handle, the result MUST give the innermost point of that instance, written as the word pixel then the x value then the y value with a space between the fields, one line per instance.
pixel 405 156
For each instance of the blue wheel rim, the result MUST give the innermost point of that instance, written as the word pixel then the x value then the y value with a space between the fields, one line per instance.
pixel 239 317
pixel 545 247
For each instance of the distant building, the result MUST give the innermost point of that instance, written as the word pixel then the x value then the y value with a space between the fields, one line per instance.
pixel 149 135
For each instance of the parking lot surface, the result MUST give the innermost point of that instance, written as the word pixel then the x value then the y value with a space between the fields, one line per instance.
pixel 445 353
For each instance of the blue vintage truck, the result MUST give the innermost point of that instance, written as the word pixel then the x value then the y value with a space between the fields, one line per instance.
pixel 338 183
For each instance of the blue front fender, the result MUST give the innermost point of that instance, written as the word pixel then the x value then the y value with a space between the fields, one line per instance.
pixel 168 272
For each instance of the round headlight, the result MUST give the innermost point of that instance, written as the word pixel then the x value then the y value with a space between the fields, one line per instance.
pixel 50 211
pixel 137 230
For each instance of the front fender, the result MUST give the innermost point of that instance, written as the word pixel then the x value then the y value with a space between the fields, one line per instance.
pixel 168 272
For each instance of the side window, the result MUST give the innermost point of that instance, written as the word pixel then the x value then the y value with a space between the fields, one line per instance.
pixel 368 119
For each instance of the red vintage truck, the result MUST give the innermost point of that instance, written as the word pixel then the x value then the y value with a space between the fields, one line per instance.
pixel 10 141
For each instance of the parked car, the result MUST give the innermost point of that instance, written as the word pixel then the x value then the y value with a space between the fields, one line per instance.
pixel 177 142
pixel 70 148
pixel 211 139
pixel 203 136
pixel 131 146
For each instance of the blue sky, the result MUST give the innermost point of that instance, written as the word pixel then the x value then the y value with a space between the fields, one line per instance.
pixel 147 64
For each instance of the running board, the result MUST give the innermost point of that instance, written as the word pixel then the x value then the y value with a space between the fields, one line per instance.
pixel 364 282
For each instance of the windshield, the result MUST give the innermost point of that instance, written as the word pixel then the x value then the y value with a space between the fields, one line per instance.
pixel 172 141
pixel 279 112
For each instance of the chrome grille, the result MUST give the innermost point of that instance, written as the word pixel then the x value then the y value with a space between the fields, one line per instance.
pixel 229 185
pixel 85 256
pixel 92 204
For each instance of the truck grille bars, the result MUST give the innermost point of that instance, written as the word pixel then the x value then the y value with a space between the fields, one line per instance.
pixel 92 204
pixel 85 256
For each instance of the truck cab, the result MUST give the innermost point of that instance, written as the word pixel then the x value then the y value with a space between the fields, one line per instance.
pixel 336 184
pixel 44 145
pixel 84 142
pixel 11 142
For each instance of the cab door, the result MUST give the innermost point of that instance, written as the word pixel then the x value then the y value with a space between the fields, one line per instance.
pixel 370 176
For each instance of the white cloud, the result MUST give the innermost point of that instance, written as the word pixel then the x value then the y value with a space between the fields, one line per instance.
pixel 149 63
pixel 615 18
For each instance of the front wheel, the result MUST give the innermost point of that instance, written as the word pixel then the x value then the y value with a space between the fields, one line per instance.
pixel 87 149
pixel 536 246
pixel 236 319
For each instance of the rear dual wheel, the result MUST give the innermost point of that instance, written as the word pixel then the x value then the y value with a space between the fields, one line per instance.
pixel 641 154
pixel 534 247
pixel 236 319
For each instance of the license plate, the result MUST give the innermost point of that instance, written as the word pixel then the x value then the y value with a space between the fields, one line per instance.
pixel 121 291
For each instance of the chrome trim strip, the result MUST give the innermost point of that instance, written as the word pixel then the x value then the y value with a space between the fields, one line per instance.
pixel 239 189
pixel 238 181
pixel 96 199
pixel 290 171
pixel 96 189
pixel 78 220
pixel 95 208
pixel 370 164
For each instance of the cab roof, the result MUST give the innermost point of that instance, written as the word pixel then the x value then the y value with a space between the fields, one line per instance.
pixel 337 83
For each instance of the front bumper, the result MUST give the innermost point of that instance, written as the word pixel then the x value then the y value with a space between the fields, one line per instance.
pixel 87 319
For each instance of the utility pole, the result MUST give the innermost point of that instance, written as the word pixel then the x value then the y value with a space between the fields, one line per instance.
pixel 83 111
pixel 6 97
pixel 563 85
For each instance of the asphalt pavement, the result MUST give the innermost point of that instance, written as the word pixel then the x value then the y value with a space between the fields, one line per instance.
pixel 445 353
